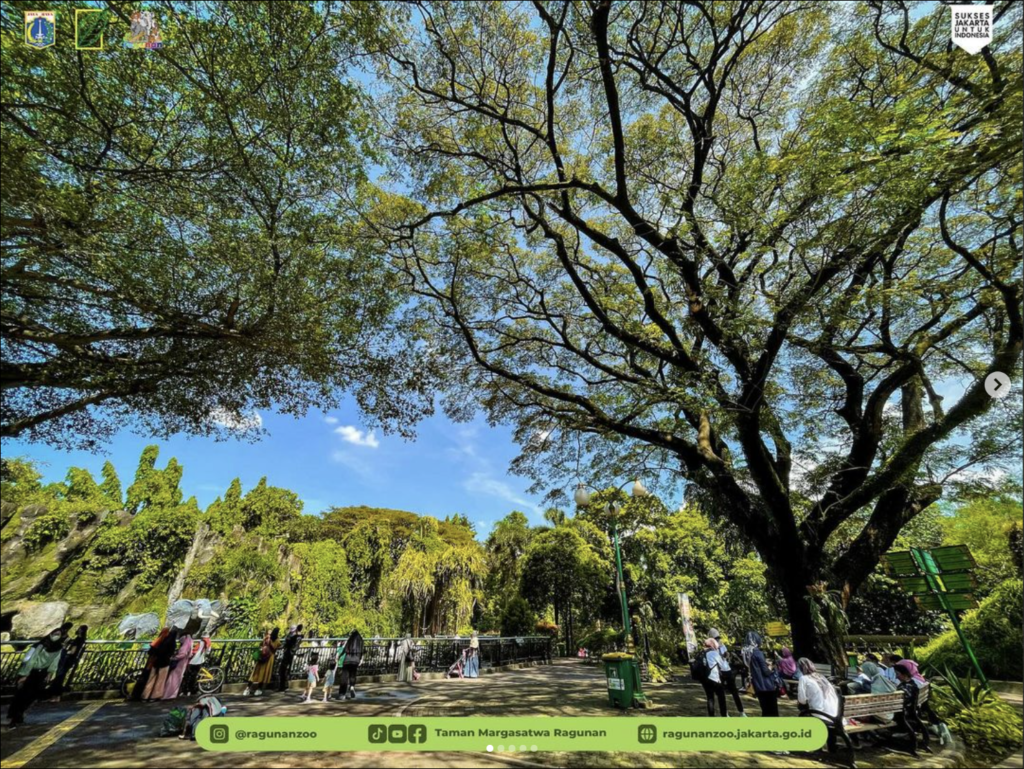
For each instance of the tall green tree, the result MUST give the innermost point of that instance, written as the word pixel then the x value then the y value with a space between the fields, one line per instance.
pixel 571 568
pixel 748 245
pixel 176 226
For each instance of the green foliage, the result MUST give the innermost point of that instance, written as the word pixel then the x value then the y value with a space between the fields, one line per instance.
pixel 19 482
pixel 152 546
pixel 991 726
pixel 193 262
pixel 517 618
pixel 153 487
pixel 80 485
pixel 323 589
pixel 243 566
pixel 48 527
pixel 600 641
pixel 111 486
pixel 994 631
pixel 569 566
pixel 985 525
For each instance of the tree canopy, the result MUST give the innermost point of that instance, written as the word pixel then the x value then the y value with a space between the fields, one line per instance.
pixel 756 246
pixel 175 226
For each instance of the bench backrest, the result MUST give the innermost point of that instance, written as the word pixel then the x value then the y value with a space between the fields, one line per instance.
pixel 863 705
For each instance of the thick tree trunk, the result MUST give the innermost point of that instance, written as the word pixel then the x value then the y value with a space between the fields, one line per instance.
pixel 793 574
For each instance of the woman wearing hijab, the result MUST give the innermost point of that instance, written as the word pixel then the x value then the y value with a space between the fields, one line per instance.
pixel 911 666
pixel 766 682
pixel 178 667
pixel 728 675
pixel 909 720
pixel 351 655
pixel 473 658
pixel 69 659
pixel 39 663
pixel 786 665
pixel 263 672
pixel 879 684
pixel 163 653
pixel 712 683
pixel 292 639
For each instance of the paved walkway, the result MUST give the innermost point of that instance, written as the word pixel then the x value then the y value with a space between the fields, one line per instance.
pixel 120 735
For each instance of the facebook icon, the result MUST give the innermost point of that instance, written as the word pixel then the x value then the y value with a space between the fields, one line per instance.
pixel 417 734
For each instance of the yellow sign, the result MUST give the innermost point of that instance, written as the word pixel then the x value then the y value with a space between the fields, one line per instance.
pixel 777 629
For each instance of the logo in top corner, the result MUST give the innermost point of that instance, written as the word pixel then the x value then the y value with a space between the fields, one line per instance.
pixel 40 28
pixel 144 31
pixel 971 26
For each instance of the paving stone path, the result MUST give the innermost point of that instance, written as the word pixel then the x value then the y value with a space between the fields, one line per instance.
pixel 122 735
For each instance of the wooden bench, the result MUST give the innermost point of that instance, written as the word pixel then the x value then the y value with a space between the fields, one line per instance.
pixel 880 707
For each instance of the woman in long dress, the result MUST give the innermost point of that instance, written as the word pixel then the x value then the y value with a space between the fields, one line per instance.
pixel 179 664
pixel 263 673
pixel 473 658
pixel 162 654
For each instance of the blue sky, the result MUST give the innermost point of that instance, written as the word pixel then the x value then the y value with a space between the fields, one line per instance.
pixel 331 459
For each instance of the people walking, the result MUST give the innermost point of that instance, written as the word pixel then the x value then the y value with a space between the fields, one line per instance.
pixel 329 674
pixel 312 676
pixel 39 663
pixel 292 639
pixel 712 679
pixel 352 650
pixel 263 671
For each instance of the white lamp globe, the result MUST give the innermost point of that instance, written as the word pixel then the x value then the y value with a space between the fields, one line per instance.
pixel 639 490
pixel 581 496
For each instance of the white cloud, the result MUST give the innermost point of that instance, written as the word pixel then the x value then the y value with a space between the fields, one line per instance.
pixel 234 420
pixel 483 483
pixel 357 437
pixel 356 464
pixel 331 420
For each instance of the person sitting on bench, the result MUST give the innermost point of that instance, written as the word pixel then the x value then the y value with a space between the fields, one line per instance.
pixel 818 696
pixel 909 720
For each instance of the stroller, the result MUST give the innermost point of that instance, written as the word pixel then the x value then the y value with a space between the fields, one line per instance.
pixel 457 667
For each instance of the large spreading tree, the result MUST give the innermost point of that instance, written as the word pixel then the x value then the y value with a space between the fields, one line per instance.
pixel 175 224
pixel 772 248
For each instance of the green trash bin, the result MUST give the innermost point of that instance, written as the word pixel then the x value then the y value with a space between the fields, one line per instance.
pixel 620 670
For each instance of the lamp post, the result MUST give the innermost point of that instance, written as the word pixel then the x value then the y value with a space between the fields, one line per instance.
pixel 625 687
pixel 582 499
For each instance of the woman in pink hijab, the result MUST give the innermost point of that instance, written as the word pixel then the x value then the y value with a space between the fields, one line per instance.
pixel 914 672
pixel 786 665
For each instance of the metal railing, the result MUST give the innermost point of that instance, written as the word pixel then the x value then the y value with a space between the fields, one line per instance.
pixel 105 664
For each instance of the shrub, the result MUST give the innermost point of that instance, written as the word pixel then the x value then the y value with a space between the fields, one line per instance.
pixel 991 727
pixel 546 627
pixel 993 629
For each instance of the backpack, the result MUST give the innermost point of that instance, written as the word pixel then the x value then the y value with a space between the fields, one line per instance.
pixel 699 666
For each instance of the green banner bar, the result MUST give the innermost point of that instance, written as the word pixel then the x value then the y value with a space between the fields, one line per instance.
pixel 509 735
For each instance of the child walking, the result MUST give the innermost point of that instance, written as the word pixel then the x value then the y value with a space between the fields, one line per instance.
pixel 332 667
pixel 312 677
